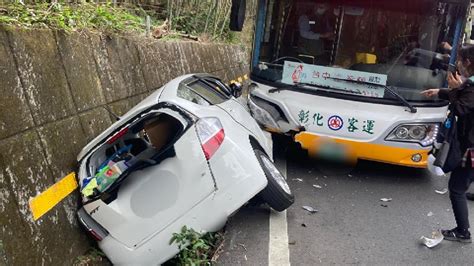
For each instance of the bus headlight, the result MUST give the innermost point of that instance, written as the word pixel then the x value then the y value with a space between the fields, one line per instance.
pixel 401 133
pixel 424 134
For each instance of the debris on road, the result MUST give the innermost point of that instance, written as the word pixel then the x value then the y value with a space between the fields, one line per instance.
pixel 297 179
pixel 303 225
pixel 218 251
pixel 317 186
pixel 310 209
pixel 292 243
pixel 243 246
pixel 386 199
pixel 433 241
pixel 442 191
pixel 430 214
pixel 384 205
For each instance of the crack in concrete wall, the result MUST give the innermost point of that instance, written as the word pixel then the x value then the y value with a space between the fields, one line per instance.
pixel 54 89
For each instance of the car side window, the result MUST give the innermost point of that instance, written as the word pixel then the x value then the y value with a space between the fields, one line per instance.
pixel 186 93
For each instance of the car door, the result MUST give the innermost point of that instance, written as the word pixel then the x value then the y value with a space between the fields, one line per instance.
pixel 152 198
pixel 233 165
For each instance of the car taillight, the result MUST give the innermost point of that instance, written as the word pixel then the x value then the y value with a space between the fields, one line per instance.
pixel 92 227
pixel 211 134
pixel 91 231
pixel 117 135
pixel 95 235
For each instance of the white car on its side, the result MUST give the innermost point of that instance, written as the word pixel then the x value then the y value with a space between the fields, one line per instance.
pixel 188 155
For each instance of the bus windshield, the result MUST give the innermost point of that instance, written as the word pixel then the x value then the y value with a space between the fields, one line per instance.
pixel 356 47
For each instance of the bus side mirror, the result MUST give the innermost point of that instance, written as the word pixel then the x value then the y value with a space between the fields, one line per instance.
pixel 237 15
pixel 236 89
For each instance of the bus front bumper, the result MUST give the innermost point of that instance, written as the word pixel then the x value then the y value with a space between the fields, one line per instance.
pixel 364 150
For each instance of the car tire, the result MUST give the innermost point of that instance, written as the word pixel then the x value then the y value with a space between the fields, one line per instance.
pixel 277 193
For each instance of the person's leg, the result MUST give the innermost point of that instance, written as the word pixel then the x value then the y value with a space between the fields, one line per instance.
pixel 458 185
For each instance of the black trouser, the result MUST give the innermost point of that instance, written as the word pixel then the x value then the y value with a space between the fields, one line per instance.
pixel 459 183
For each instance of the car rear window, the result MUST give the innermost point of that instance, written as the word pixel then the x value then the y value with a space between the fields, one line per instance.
pixel 188 94
pixel 207 92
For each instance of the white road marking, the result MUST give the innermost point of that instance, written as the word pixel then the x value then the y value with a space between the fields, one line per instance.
pixel 278 250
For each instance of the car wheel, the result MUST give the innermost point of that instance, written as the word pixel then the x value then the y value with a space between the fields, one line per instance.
pixel 277 193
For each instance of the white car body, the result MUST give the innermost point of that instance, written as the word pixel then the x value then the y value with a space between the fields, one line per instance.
pixel 186 189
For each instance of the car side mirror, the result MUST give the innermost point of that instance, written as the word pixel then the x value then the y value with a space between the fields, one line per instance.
pixel 236 89
pixel 237 15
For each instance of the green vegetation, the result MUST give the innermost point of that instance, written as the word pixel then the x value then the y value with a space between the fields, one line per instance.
pixel 196 248
pixel 92 257
pixel 208 19
pixel 203 20
pixel 69 17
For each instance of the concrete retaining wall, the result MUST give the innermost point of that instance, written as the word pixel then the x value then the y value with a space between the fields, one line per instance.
pixel 53 88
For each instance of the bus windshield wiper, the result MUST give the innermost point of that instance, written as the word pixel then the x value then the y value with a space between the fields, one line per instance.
pixel 388 88
pixel 305 85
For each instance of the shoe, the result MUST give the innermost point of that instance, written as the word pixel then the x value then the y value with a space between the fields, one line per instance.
pixel 456 235
pixel 470 196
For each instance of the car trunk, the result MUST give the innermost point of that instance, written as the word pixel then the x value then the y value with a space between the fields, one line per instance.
pixel 141 178
pixel 138 145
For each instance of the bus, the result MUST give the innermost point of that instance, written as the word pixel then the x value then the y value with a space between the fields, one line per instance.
pixel 348 74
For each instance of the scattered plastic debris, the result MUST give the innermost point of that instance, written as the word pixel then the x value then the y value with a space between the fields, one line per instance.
pixel 442 191
pixel 430 214
pixel 317 186
pixel 310 209
pixel 297 179
pixel 437 171
pixel 386 199
pixel 384 205
pixel 433 241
